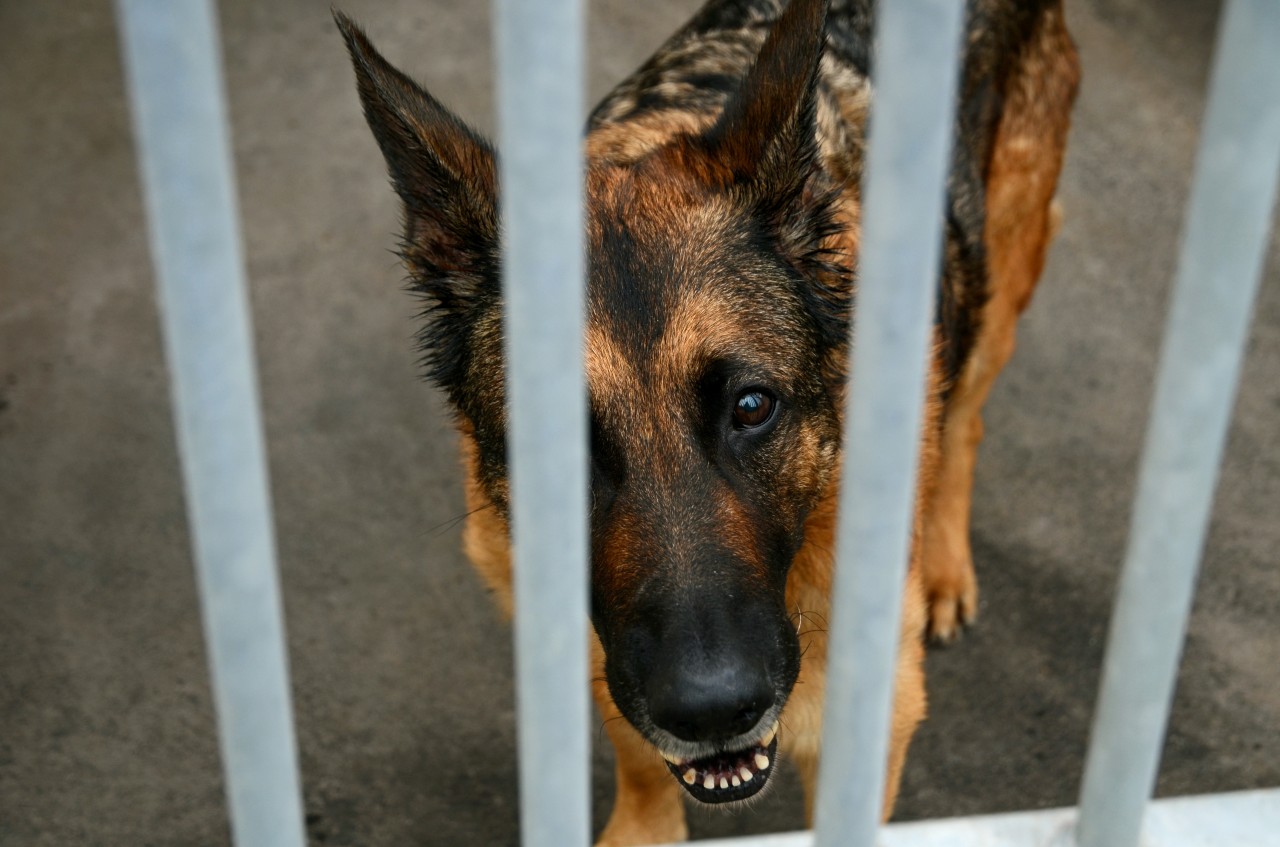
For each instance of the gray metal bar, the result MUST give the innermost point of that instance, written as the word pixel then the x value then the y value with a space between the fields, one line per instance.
pixel 1222 251
pixel 539 47
pixel 175 85
pixel 1238 819
pixel 916 67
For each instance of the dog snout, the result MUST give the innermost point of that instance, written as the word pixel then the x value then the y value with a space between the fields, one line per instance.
pixel 699 703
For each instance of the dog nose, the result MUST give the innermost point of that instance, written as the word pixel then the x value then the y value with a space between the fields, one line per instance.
pixel 709 704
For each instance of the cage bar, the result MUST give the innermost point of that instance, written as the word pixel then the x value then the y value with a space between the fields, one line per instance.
pixel 180 124
pixel 540 84
pixel 916 70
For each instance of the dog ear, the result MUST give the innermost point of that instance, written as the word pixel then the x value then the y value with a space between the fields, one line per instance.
pixel 446 174
pixel 766 138
pixel 766 132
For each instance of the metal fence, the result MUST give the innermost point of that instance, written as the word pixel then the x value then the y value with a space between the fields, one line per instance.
pixel 171 51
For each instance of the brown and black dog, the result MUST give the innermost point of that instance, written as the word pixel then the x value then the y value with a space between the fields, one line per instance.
pixel 723 222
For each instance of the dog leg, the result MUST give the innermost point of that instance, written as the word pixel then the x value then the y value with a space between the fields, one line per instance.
pixel 802 720
pixel 947 562
pixel 647 808
pixel 909 702
pixel 1021 220
pixel 908 712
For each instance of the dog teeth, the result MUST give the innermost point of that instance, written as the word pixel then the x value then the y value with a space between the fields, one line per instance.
pixel 768 739
pixel 670 758
pixel 734 777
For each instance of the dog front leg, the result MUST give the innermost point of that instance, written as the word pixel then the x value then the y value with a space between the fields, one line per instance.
pixel 802 720
pixel 647 808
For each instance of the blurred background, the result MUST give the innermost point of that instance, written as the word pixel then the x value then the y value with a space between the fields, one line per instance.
pixel 401 666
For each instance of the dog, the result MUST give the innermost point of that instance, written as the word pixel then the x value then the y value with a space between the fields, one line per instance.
pixel 723 214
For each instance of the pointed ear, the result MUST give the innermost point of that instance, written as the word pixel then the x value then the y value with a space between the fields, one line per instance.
pixel 766 133
pixel 446 174
pixel 766 141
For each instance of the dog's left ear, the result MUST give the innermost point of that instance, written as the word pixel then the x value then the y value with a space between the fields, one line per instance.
pixel 770 118
pixel 766 137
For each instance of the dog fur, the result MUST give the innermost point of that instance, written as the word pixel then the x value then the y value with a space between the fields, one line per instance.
pixel 723 210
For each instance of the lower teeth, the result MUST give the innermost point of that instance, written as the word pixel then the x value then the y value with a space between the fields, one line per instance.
pixel 733 769
pixel 735 776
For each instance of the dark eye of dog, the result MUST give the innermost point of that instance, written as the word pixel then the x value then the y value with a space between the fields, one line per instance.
pixel 753 409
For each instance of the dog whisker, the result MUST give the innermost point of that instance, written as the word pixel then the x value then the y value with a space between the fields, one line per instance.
pixel 452 522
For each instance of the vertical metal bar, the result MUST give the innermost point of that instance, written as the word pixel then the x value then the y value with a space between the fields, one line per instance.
pixel 915 72
pixel 540 121
pixel 1221 259
pixel 175 84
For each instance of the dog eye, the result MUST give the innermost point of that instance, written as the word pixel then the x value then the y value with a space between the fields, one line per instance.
pixel 752 409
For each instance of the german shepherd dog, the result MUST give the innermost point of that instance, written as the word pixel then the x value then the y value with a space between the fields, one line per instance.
pixel 722 196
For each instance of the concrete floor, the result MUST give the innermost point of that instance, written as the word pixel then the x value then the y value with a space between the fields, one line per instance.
pixel 401 667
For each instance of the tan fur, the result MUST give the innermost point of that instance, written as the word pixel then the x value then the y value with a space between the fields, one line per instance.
pixel 629 142
pixel 485 537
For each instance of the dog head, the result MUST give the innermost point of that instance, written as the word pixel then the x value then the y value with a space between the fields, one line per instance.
pixel 717 316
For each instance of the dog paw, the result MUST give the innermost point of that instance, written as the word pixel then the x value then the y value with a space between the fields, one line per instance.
pixel 952 607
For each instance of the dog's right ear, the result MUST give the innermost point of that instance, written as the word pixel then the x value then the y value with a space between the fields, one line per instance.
pixel 446 174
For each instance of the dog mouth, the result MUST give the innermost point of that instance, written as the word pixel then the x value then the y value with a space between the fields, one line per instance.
pixel 728 776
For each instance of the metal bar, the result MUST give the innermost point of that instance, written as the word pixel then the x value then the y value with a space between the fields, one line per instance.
pixel 539 47
pixel 1221 261
pixel 1239 819
pixel 915 75
pixel 175 85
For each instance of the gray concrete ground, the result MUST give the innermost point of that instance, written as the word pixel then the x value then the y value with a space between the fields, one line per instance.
pixel 401 668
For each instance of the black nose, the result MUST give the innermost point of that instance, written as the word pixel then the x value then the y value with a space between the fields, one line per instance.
pixel 709 701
